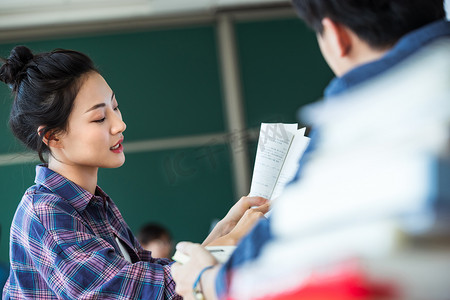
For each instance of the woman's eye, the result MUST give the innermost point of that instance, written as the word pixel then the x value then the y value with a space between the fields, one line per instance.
pixel 100 121
pixel 116 108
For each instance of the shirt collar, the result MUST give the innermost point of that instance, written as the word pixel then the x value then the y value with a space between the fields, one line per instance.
pixel 406 46
pixel 78 197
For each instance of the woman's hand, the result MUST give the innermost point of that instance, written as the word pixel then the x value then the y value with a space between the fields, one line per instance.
pixel 185 275
pixel 233 217
pixel 245 224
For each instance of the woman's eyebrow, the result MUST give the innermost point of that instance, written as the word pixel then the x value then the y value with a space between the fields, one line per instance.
pixel 99 104
pixel 95 107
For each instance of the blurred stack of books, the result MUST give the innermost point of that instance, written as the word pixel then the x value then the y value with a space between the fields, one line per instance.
pixel 370 217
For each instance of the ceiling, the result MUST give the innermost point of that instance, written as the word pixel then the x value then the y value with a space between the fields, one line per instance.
pixel 20 18
pixel 16 14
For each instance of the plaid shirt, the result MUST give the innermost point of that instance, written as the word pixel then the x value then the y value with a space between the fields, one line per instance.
pixel 63 246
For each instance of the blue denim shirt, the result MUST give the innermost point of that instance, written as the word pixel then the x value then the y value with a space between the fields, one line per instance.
pixel 250 246
pixel 406 46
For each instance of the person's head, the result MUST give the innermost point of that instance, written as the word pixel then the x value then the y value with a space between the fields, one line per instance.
pixel 63 107
pixel 380 23
pixel 364 28
pixel 157 239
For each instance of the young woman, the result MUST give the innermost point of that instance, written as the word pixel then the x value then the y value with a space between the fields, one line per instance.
pixel 68 238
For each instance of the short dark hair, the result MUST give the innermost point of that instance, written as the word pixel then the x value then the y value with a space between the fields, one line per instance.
pixel 380 23
pixel 44 87
pixel 152 231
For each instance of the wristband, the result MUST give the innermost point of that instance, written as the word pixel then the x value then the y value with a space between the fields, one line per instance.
pixel 198 293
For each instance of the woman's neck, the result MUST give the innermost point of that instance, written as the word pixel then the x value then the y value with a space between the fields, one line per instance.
pixel 86 177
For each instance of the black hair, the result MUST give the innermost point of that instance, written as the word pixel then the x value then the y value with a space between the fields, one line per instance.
pixel 44 87
pixel 380 23
pixel 152 231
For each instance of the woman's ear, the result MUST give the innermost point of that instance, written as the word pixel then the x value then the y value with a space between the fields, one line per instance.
pixel 49 138
pixel 338 36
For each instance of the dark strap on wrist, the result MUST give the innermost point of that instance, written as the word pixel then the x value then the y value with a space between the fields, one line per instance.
pixel 197 287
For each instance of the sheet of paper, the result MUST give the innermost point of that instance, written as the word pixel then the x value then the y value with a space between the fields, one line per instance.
pixel 273 145
pixel 291 162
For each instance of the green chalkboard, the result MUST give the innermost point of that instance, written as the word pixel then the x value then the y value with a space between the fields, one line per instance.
pixel 281 69
pixel 14 180
pixel 166 81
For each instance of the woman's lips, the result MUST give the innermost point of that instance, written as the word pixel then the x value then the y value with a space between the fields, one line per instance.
pixel 117 148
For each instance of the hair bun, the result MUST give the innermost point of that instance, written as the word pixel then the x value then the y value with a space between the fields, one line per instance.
pixel 19 57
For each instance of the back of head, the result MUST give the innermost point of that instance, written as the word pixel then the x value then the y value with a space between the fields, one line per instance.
pixel 44 87
pixel 380 23
pixel 152 231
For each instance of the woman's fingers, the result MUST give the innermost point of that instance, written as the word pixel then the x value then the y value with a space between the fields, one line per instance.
pixel 262 208
pixel 247 202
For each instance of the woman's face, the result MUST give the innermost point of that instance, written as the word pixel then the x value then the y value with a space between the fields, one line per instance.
pixel 95 128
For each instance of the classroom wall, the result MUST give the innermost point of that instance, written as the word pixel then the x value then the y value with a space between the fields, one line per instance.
pixel 169 86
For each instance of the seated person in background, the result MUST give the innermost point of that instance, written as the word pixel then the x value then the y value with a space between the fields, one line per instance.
pixel 157 239
pixel 360 40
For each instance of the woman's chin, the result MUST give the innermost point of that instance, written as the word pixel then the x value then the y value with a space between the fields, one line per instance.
pixel 116 164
